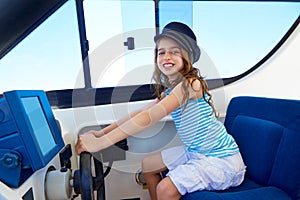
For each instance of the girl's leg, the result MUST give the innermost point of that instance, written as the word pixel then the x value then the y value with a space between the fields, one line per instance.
pixel 152 166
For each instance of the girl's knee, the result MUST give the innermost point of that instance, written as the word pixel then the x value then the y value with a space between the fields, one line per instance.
pixel 161 188
pixel 167 190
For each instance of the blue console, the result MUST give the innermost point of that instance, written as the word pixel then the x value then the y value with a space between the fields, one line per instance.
pixel 29 135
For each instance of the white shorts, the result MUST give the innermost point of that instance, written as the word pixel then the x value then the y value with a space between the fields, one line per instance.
pixel 193 171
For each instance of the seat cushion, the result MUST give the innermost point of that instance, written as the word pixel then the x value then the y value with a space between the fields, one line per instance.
pixel 247 190
pixel 261 193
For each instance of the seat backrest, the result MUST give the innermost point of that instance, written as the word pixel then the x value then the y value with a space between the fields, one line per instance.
pixel 268 134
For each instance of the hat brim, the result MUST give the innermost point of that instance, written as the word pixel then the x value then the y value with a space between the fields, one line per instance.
pixel 175 38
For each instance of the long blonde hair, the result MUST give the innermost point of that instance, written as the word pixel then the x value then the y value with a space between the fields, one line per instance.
pixel 189 75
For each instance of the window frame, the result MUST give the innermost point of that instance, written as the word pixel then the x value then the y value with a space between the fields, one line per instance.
pixel 89 96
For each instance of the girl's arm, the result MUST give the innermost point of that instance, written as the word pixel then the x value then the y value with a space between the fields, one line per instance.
pixel 114 125
pixel 92 134
pixel 134 124
pixel 126 118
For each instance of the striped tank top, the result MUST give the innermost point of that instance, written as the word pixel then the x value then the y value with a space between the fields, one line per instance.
pixel 200 130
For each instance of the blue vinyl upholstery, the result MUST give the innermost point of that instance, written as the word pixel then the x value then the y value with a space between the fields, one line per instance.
pixel 268 134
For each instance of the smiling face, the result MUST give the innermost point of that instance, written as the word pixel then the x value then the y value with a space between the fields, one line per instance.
pixel 169 58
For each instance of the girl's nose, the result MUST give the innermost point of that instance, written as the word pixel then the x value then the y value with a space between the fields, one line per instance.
pixel 167 55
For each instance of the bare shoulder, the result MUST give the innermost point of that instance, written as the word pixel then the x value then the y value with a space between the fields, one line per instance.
pixel 196 85
pixel 195 88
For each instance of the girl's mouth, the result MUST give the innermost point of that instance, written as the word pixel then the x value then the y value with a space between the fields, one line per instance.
pixel 168 65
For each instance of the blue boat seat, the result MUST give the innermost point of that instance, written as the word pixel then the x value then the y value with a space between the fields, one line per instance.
pixel 267 131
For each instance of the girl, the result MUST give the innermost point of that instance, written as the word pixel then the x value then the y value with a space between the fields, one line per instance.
pixel 209 158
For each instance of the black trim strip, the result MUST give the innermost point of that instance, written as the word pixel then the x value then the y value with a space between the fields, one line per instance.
pixel 84 43
pixel 72 98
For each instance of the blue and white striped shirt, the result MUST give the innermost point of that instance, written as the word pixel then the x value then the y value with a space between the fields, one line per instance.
pixel 200 130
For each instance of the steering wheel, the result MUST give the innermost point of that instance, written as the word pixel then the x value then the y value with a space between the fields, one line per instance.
pixel 85 183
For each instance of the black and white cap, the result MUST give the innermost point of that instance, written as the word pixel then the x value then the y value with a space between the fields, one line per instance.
pixel 184 36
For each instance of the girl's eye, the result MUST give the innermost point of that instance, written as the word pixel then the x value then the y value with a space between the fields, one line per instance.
pixel 174 52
